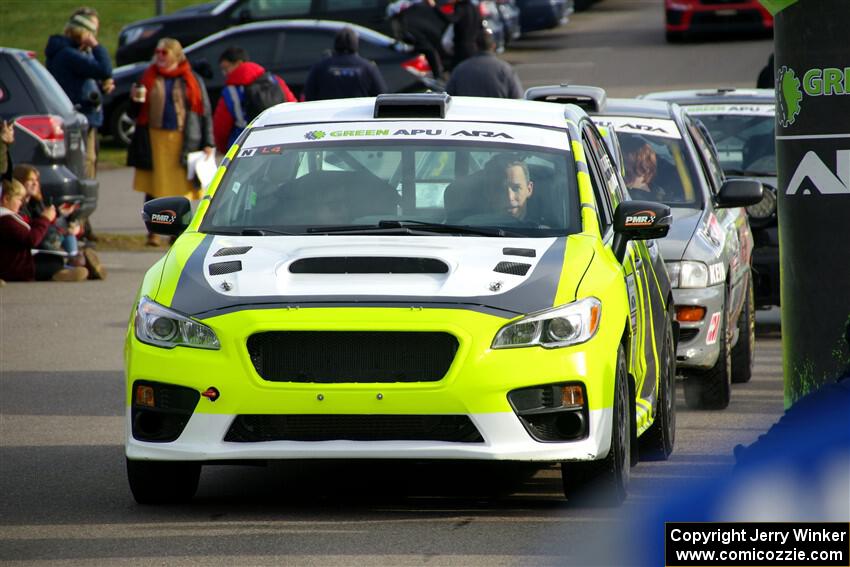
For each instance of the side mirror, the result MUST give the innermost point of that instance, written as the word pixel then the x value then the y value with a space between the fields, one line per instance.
pixel 167 215
pixel 203 68
pixel 639 220
pixel 739 193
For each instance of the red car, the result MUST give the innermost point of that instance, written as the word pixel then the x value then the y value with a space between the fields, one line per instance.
pixel 685 16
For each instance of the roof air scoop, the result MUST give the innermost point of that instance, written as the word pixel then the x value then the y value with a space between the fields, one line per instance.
pixel 412 105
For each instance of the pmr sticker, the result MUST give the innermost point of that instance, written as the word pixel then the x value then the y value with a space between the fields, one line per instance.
pixel 164 217
pixel 640 218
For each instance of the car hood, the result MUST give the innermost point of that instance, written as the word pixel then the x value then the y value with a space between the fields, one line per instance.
pixel 502 276
pixel 685 222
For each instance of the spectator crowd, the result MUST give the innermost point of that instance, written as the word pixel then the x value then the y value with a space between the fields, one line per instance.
pixel 174 117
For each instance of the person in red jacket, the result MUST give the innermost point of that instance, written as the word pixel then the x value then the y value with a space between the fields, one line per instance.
pixel 18 238
pixel 233 113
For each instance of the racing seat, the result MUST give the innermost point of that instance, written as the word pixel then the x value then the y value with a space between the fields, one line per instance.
pixel 357 193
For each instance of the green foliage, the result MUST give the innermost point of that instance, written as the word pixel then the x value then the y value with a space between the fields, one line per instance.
pixel 26 24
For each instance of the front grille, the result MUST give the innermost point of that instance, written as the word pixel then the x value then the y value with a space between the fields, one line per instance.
pixel 449 428
pixel 336 357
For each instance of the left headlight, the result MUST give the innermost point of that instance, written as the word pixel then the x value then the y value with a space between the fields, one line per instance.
pixel 159 326
pixel 562 326
pixel 132 35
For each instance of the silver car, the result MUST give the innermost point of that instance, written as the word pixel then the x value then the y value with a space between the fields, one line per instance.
pixel 708 250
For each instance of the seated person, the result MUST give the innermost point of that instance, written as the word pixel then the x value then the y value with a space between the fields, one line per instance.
pixel 641 166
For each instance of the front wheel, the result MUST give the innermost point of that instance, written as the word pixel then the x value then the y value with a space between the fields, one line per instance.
pixel 121 126
pixel 605 482
pixel 163 482
pixel 742 352
pixel 657 443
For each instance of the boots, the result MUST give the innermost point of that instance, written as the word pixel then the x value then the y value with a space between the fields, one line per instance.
pixel 75 274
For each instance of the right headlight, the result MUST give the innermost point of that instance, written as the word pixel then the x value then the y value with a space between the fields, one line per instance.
pixel 160 326
pixel 764 208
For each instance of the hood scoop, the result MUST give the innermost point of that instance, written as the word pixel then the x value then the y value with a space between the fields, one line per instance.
pixel 513 268
pixel 527 252
pixel 368 265
pixel 232 251
pixel 221 268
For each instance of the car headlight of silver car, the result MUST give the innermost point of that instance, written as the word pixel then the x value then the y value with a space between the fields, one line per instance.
pixel 691 274
pixel 562 326
pixel 159 326
pixel 132 35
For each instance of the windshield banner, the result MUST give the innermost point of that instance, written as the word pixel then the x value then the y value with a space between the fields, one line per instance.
pixel 736 109
pixel 406 130
pixel 646 126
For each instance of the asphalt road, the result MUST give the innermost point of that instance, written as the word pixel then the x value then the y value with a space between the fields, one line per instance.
pixel 64 499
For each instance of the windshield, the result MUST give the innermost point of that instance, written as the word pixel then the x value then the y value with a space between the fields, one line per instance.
pixel 744 143
pixel 657 164
pixel 386 178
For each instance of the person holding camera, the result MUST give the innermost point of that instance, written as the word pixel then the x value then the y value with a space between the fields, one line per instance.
pixel 83 69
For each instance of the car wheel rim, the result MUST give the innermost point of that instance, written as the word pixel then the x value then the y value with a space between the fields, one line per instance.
pixel 126 127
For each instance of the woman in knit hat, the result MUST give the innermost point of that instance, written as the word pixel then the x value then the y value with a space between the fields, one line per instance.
pixel 82 67
pixel 170 105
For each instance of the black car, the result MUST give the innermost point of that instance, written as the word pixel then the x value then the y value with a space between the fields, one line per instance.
pixel 136 41
pixel 49 132
pixel 286 47
pixel 543 14
pixel 742 125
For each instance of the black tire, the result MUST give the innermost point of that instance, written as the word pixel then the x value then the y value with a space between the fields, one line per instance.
pixel 744 349
pixel 121 126
pixel 658 441
pixel 605 482
pixel 712 389
pixel 163 482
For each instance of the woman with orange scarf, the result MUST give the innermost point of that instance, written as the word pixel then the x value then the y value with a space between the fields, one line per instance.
pixel 171 104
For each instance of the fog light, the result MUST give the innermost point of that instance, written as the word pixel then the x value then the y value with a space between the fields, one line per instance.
pixel 690 313
pixel 572 395
pixel 144 396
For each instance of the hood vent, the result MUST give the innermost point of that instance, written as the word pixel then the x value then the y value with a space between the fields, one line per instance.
pixel 232 251
pixel 514 268
pixel 368 265
pixel 221 268
pixel 527 252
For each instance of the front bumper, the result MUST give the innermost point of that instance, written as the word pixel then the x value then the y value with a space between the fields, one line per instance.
pixel 699 343
pixel 476 386
pixel 727 17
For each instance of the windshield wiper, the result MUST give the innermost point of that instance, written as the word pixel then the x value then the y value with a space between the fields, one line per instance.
pixel 263 231
pixel 411 227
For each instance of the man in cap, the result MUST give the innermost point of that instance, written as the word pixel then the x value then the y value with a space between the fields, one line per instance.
pixel 345 74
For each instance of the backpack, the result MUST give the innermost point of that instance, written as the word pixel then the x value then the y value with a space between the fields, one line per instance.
pixel 263 93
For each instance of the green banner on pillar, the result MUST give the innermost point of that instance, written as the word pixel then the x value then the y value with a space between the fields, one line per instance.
pixel 813 164
pixel 775 6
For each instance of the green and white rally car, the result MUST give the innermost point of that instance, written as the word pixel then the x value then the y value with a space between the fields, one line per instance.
pixel 407 277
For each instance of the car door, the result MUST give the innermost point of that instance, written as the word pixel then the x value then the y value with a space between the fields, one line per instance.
pixel 257 10
pixel 643 358
pixel 368 13
pixel 733 223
